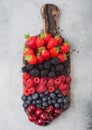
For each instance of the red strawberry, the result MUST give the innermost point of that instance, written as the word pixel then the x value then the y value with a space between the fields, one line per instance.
pixel 54 51
pixel 36 80
pixel 52 43
pixel 63 86
pixel 28 51
pixel 39 42
pixel 45 54
pixel 65 48
pixel 59 39
pixel 41 88
pixel 30 83
pixel 47 37
pixel 51 89
pixel 32 59
pixel 62 57
pixel 31 42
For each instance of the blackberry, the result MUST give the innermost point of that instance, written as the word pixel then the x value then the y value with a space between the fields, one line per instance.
pixel 53 69
pixel 66 64
pixel 58 73
pixel 55 61
pixel 51 74
pixel 34 72
pixel 65 72
pixel 40 67
pixel 44 73
pixel 47 65
pixel 29 67
pixel 24 69
pixel 60 67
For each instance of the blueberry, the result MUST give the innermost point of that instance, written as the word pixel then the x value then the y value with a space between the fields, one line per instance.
pixel 52 95
pixel 41 95
pixel 49 98
pixel 45 104
pixel 59 95
pixel 57 91
pixel 53 101
pixel 38 101
pixel 44 99
pixel 65 106
pixel 25 105
pixel 28 102
pixel 38 106
pixel 34 102
pixel 24 98
pixel 49 102
pixel 46 92
pixel 35 96
pixel 59 100
pixel 65 101
pixel 29 98
pixel 56 105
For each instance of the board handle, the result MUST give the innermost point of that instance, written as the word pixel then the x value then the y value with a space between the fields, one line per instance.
pixel 50 14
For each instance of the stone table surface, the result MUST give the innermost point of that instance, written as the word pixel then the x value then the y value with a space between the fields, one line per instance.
pixel 19 17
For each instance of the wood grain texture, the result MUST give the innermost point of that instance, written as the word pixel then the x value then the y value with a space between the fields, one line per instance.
pixel 50 14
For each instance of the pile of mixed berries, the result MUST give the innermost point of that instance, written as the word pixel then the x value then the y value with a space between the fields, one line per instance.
pixel 46 77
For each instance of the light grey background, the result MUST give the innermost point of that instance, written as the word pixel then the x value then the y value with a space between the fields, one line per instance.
pixel 18 17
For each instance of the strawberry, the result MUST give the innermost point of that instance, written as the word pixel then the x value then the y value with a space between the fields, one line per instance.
pixel 54 51
pixel 31 42
pixel 46 36
pixel 45 54
pixel 28 51
pixel 65 48
pixel 30 83
pixel 63 86
pixel 39 58
pixel 52 43
pixel 59 39
pixel 32 59
pixel 51 89
pixel 62 57
pixel 41 88
pixel 39 42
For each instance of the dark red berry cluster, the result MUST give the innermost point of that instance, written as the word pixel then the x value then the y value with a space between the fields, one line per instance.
pixel 46 77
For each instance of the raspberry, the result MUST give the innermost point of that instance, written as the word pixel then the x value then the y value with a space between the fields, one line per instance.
pixel 65 92
pixel 57 81
pixel 62 78
pixel 51 89
pixel 25 76
pixel 36 80
pixel 43 81
pixel 63 86
pixel 41 88
pixel 24 82
pixel 68 80
pixel 32 90
pixel 26 92
pixel 50 82
pixel 30 83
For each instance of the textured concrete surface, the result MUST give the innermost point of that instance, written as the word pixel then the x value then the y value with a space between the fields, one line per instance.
pixel 18 17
